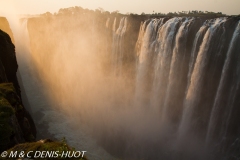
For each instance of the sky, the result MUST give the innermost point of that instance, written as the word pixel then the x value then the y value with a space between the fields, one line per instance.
pixel 230 7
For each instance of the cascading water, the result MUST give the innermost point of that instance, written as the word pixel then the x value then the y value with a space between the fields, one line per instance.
pixel 58 125
pixel 225 91
pixel 187 79
pixel 184 91
pixel 118 38
pixel 166 36
pixel 146 43
pixel 176 73
pixel 196 82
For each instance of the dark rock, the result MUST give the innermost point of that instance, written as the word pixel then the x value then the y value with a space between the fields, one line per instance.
pixel 17 125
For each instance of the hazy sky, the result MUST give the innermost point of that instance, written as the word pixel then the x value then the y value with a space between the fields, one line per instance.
pixel 133 6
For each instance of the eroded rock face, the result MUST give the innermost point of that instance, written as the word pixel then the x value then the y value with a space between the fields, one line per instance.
pixel 4 26
pixel 16 123
pixel 8 60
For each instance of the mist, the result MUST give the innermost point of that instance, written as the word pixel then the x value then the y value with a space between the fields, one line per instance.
pixel 67 70
pixel 124 87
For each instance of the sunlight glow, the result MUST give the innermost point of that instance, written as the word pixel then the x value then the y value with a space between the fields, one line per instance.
pixel 124 6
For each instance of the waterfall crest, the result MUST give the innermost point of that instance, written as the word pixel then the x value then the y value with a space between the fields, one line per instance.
pixel 191 81
pixel 180 100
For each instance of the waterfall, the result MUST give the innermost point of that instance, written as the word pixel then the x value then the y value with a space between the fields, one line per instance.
pixel 195 49
pixel 118 40
pixel 226 90
pixel 107 23
pixel 182 94
pixel 188 71
pixel 114 26
pixel 145 46
pixel 196 82
pixel 165 42
pixel 176 72
pixel 25 72
pixel 50 121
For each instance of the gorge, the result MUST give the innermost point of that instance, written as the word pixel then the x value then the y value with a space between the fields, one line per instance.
pixel 133 86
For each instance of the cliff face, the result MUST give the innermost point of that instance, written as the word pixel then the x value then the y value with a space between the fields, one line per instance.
pixel 16 123
pixel 4 26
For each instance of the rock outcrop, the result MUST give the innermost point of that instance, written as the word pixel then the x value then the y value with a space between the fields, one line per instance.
pixel 54 149
pixel 4 26
pixel 17 125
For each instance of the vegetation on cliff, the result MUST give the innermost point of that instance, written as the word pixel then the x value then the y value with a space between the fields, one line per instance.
pixel 16 123
pixel 15 127
pixel 53 30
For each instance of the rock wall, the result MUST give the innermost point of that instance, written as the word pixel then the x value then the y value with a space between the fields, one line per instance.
pixel 17 125
pixel 4 26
